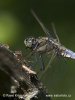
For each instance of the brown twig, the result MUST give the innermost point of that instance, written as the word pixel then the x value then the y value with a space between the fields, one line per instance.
pixel 25 79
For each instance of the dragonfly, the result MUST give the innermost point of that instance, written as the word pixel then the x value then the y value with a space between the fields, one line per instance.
pixel 48 43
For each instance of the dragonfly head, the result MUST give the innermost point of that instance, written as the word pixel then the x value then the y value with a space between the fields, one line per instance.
pixel 29 41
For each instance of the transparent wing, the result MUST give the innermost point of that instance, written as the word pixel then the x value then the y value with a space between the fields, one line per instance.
pixel 54 31
pixel 41 24
pixel 39 61
pixel 49 63
pixel 33 59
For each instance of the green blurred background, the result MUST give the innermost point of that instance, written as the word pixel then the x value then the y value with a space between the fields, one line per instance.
pixel 17 23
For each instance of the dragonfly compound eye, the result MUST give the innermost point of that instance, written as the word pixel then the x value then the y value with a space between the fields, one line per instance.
pixel 28 42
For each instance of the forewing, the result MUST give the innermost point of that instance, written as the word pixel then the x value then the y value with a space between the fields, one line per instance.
pixel 54 31
pixel 41 24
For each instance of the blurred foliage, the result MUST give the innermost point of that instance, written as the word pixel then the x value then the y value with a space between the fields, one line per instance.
pixel 17 23
pixel 9 27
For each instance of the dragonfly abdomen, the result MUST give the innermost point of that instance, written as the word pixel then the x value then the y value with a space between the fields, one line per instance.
pixel 68 53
